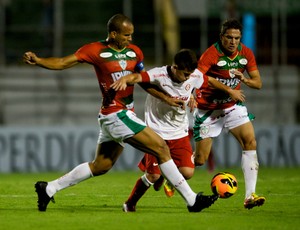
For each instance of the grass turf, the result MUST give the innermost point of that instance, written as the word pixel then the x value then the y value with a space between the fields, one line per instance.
pixel 97 204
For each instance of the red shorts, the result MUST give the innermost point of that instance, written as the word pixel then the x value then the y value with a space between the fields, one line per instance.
pixel 181 152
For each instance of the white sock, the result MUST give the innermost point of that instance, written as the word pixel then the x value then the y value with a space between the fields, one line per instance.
pixel 146 181
pixel 171 173
pixel 78 174
pixel 250 169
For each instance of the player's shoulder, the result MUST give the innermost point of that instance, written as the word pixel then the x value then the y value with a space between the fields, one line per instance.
pixel 135 51
pixel 158 71
pixel 197 73
pixel 93 46
pixel 96 43
pixel 134 47
pixel 212 51
pixel 244 49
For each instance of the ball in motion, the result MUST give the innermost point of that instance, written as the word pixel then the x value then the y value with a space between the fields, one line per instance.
pixel 224 184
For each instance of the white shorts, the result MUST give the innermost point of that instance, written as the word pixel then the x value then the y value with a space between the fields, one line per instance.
pixel 210 123
pixel 119 126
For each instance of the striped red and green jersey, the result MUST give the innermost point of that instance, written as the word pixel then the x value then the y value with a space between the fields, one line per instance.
pixel 110 65
pixel 215 63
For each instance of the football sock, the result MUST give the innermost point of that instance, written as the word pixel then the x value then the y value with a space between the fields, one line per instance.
pixel 250 169
pixel 171 173
pixel 146 181
pixel 139 190
pixel 78 174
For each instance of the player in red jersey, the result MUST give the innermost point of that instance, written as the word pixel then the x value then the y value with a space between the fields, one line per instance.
pixel 226 61
pixel 112 59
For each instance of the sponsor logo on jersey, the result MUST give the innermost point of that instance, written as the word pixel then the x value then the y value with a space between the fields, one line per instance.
pixel 231 73
pixel 131 54
pixel 233 82
pixel 204 130
pixel 120 56
pixel 187 87
pixel 123 64
pixel 117 75
pixel 243 61
pixel 106 54
pixel 222 101
pixel 221 63
pixel 233 64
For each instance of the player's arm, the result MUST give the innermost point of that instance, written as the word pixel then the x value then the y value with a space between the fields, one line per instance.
pixel 254 80
pixel 53 63
pixel 130 79
pixel 163 96
pixel 192 103
pixel 236 95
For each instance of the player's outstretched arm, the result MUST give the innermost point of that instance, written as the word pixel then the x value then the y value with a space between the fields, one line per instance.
pixel 53 63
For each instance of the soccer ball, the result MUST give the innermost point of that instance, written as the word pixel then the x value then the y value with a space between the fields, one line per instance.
pixel 224 184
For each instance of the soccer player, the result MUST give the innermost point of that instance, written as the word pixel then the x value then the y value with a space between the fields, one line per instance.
pixel 171 123
pixel 113 58
pixel 226 61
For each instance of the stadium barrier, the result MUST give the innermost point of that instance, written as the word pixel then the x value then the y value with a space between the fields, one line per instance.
pixel 38 149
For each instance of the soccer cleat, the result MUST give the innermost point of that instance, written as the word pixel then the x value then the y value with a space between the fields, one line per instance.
pixel 158 184
pixel 127 207
pixel 169 189
pixel 254 200
pixel 43 198
pixel 202 202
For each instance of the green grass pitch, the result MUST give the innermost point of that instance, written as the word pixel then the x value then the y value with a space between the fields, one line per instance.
pixel 97 204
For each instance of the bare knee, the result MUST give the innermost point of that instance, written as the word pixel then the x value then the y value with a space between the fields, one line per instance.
pixel 200 159
pixel 198 162
pixel 186 172
pixel 163 152
pixel 98 169
pixel 250 144
pixel 152 177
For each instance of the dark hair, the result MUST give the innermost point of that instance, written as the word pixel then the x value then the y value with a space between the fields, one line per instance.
pixel 231 24
pixel 115 22
pixel 186 59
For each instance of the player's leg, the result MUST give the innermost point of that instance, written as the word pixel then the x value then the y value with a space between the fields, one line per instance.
pixel 182 155
pixel 107 154
pixel 148 141
pixel 211 161
pixel 202 151
pixel 242 129
pixel 249 163
pixel 207 125
pixel 148 165
pixel 101 164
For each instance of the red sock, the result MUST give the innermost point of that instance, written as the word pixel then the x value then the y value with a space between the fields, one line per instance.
pixel 137 192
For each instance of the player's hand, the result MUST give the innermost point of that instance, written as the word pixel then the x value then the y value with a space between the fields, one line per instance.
pixel 240 76
pixel 175 102
pixel 30 58
pixel 120 84
pixel 237 95
pixel 192 103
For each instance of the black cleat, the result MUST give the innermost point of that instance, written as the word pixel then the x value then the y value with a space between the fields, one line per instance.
pixel 43 198
pixel 202 202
